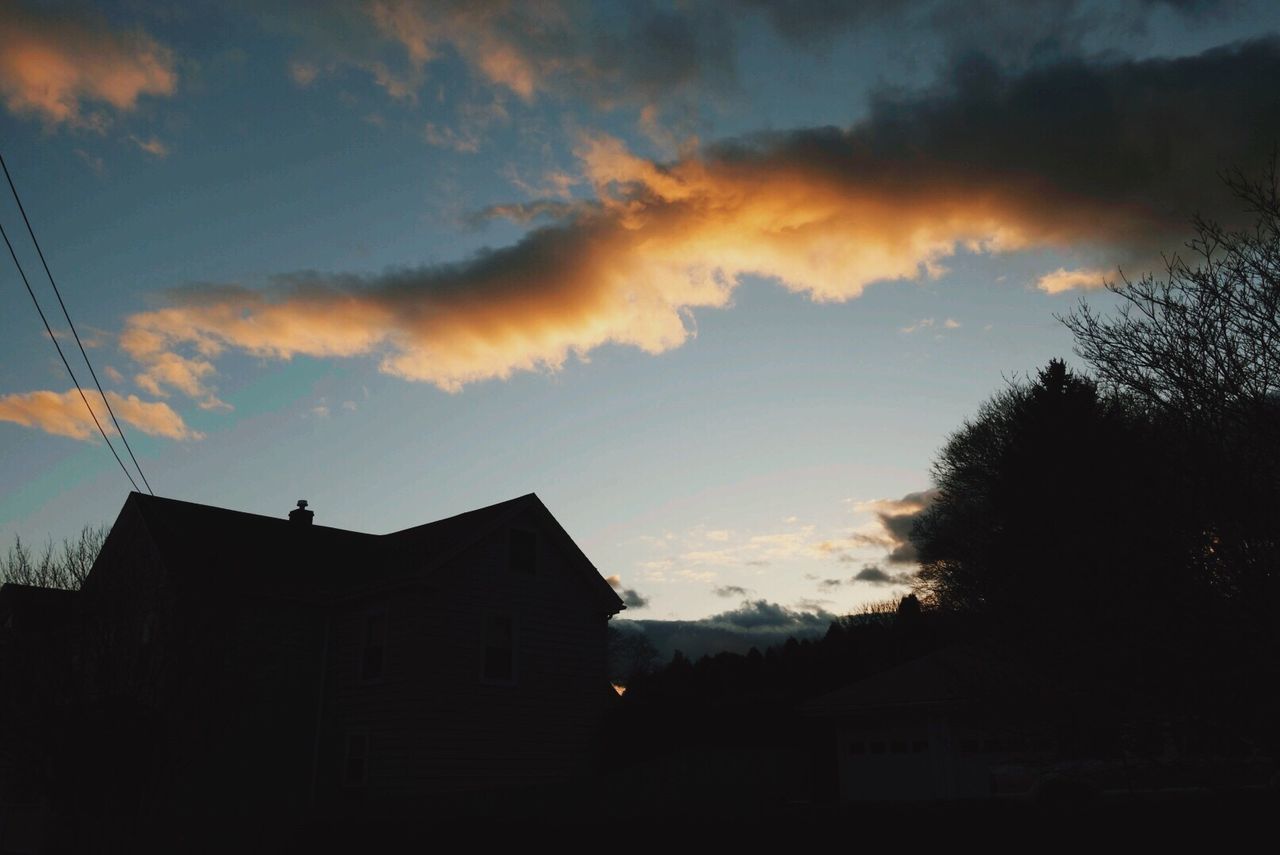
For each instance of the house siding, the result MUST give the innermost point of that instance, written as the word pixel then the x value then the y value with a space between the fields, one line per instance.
pixel 435 725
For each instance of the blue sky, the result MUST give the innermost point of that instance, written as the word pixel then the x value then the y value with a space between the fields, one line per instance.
pixel 715 280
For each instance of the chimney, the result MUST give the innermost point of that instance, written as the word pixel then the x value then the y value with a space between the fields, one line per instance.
pixel 300 514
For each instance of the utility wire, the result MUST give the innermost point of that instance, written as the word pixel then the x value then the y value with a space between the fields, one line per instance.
pixel 67 315
pixel 49 330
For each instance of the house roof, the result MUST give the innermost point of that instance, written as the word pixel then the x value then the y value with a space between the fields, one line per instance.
pixel 205 542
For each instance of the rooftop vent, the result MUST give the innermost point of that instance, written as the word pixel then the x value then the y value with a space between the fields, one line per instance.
pixel 300 514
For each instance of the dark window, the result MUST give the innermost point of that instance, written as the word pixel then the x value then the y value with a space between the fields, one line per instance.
pixel 355 767
pixel 523 553
pixel 373 652
pixel 499 648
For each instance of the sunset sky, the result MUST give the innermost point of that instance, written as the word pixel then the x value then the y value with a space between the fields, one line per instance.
pixel 715 280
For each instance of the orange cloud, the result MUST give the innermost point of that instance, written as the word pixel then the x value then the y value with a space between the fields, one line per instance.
pixel 153 146
pixel 303 73
pixel 491 38
pixel 824 212
pixel 634 55
pixel 628 268
pixel 1068 280
pixel 64 414
pixel 51 66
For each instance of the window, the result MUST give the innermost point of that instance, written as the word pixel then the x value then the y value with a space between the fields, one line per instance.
pixel 355 765
pixel 373 652
pixel 499 648
pixel 523 552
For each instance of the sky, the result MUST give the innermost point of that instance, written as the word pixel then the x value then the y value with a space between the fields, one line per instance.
pixel 715 280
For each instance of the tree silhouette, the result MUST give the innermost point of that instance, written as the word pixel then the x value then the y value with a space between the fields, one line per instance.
pixel 631 655
pixel 65 566
pixel 1053 509
pixel 1199 349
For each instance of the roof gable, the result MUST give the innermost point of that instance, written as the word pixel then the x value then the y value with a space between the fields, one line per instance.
pixel 203 545
pixel 444 539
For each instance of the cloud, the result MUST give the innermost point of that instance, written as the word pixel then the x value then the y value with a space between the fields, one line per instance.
pixel 762 614
pixel 1019 33
pixel 877 576
pixel 1067 280
pixel 152 146
pixel 470 128
pixel 922 324
pixel 95 163
pixel 53 66
pixel 988 163
pixel 304 73
pixel 730 591
pixel 756 623
pixel 631 598
pixel 635 54
pixel 894 519
pixel 64 414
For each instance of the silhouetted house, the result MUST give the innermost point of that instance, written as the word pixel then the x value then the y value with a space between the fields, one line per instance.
pixel 273 669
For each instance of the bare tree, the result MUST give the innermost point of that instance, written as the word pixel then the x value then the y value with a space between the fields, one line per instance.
pixel 1199 348
pixel 1201 341
pixel 64 566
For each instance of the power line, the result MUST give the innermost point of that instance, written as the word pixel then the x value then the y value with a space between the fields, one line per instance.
pixel 67 315
pixel 49 330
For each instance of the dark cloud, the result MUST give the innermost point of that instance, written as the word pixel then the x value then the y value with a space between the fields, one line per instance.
pixel 831 584
pixel 1138 144
pixel 756 623
pixel 637 54
pixel 658 53
pixel 730 591
pixel 764 615
pixel 1017 32
pixel 631 598
pixel 877 576
pixel 896 518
